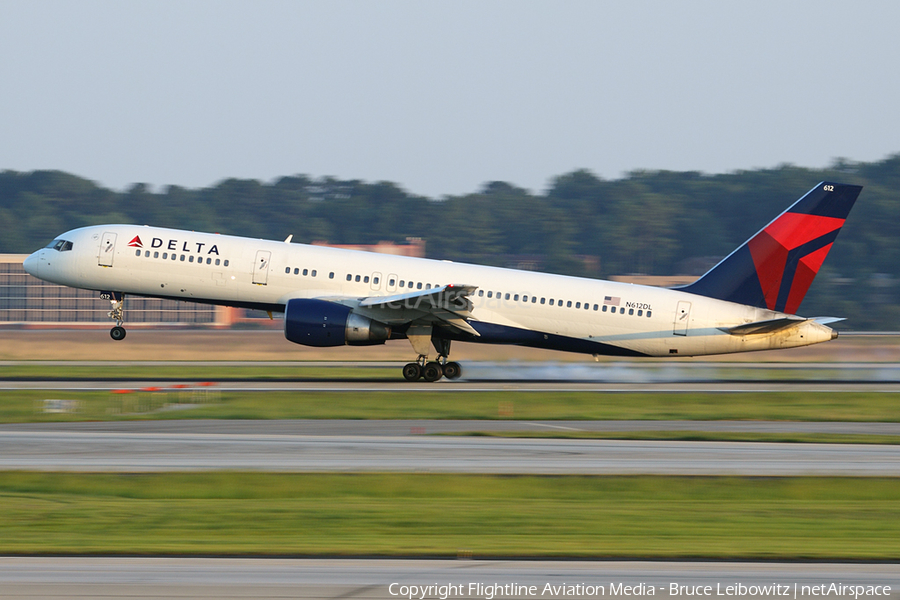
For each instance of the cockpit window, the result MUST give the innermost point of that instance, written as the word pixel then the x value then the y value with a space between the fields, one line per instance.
pixel 60 245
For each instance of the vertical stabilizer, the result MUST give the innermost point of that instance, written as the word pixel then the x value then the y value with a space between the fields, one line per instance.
pixel 775 267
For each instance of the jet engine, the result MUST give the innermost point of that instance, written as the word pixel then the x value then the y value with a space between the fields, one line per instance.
pixel 322 323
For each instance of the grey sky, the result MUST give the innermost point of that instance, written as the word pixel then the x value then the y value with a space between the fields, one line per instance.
pixel 441 97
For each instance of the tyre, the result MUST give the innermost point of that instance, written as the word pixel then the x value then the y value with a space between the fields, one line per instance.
pixel 452 370
pixel 412 372
pixel 117 333
pixel 432 371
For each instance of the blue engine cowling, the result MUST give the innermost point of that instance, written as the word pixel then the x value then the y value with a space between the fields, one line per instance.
pixel 322 323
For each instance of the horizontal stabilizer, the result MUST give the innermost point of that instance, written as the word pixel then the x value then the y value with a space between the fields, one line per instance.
pixel 827 320
pixel 761 327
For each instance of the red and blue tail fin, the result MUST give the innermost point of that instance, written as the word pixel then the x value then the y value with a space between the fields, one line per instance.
pixel 775 267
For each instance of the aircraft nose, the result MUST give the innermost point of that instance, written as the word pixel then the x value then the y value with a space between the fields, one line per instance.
pixel 32 264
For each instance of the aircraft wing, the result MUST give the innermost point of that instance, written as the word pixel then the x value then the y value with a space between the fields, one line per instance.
pixel 447 304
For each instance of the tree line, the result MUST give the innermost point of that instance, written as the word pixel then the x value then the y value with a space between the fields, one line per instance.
pixel 647 222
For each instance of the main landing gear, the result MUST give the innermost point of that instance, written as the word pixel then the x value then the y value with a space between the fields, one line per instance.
pixel 420 336
pixel 431 370
pixel 117 301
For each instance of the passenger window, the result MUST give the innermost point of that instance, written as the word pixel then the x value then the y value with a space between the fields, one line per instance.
pixel 551 301
pixel 604 308
pixel 533 299
pixel 297 271
pixel 630 311
pixel 392 283
pixel 190 258
pixel 648 313
pixel 305 272
pixel 524 298
pixel 542 300
pixel 569 304
pixel 165 255
pixel 208 261
pixel 640 313
pixel 287 270
pixel 156 255
pixel 402 283
pixel 516 298
pixel 490 294
pixel 357 279
pixel 173 256
pixel 217 260
pixel 481 292
pixel 409 284
pixel 313 273
pixel 375 280
pixel 349 276
pixel 427 286
pixel 136 252
pixel 225 263
pixel 419 286
pixel 182 258
pixel 595 307
pixel 366 279
pixel 578 305
pixel 506 297
pixel 331 275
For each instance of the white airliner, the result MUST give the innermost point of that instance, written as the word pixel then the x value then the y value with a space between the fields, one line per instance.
pixel 332 297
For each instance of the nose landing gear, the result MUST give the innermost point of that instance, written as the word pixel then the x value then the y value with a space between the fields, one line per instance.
pixel 117 302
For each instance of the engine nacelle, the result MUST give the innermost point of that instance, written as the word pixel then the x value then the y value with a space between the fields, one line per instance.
pixel 322 323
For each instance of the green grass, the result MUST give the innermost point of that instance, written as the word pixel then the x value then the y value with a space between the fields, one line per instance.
pixel 444 515
pixel 23 406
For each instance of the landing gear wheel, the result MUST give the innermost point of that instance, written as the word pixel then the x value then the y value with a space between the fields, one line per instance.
pixel 432 371
pixel 117 333
pixel 452 370
pixel 412 371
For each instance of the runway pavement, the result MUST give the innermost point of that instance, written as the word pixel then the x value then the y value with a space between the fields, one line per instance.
pixel 459 387
pixel 146 452
pixel 403 427
pixel 238 578
pixel 653 376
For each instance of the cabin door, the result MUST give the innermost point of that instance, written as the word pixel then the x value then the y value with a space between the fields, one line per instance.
pixel 261 268
pixel 682 318
pixel 107 249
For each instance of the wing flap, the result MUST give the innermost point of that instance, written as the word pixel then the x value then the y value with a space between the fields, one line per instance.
pixel 447 304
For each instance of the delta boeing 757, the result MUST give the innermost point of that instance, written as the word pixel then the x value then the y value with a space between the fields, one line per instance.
pixel 333 297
